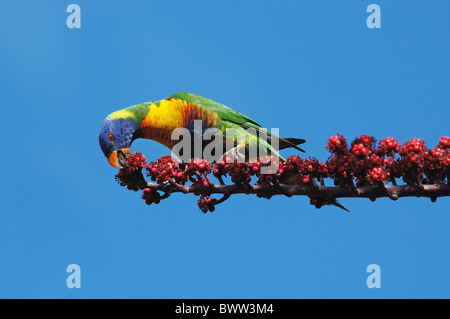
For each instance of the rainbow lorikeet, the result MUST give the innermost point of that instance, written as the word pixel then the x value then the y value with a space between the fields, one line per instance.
pixel 156 120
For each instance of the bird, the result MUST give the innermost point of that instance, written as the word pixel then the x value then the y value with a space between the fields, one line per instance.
pixel 157 120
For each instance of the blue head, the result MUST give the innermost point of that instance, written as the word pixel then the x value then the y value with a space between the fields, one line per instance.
pixel 115 138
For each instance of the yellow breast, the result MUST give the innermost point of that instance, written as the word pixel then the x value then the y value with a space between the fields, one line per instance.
pixel 164 117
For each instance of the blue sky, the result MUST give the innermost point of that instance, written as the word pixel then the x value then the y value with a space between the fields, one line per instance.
pixel 310 68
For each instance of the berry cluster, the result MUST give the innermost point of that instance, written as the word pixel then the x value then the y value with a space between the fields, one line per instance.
pixel 165 169
pixel 240 173
pixel 387 146
pixel 444 142
pixel 197 167
pixel 410 166
pixel 131 176
pixel 362 163
pixel 136 161
pixel 205 203
pixel 151 196
pixel 436 163
pixel 337 144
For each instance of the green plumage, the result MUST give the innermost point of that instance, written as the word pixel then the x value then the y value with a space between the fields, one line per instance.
pixel 231 119
pixel 224 112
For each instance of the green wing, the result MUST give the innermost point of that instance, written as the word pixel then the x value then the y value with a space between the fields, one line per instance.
pixel 227 114
pixel 224 112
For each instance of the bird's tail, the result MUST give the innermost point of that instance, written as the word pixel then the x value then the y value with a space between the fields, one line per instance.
pixel 288 142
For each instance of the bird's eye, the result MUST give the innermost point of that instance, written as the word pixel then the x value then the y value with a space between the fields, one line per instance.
pixel 110 137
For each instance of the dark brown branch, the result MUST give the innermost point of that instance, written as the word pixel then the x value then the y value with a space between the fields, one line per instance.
pixel 373 192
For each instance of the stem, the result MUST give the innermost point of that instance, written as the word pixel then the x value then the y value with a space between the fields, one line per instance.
pixel 393 192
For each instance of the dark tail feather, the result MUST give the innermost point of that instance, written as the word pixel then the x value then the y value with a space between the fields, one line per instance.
pixel 290 142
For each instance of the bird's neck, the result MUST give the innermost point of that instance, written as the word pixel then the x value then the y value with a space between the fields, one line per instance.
pixel 137 112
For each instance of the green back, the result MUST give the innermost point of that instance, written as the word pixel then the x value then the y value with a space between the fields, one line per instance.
pixel 224 112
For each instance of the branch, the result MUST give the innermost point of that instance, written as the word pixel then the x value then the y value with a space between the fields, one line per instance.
pixel 361 170
pixel 371 192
